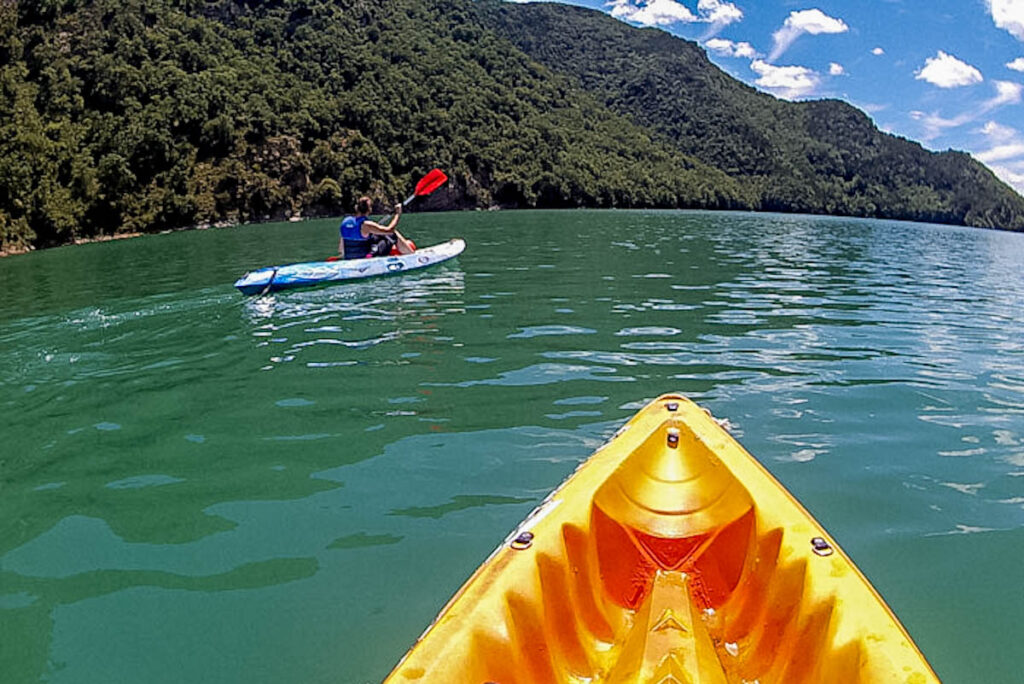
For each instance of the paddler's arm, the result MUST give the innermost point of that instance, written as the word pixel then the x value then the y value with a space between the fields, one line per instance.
pixel 341 246
pixel 374 227
pixel 404 246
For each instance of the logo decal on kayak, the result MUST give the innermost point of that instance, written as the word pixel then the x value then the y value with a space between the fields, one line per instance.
pixel 364 269
pixel 423 259
pixel 396 266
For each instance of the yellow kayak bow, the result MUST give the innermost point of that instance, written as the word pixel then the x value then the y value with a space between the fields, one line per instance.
pixel 671 556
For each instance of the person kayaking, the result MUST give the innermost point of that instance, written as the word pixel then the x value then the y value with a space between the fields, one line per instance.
pixel 359 237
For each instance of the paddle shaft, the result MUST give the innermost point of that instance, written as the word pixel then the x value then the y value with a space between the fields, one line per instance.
pixel 269 283
pixel 434 179
pixel 406 203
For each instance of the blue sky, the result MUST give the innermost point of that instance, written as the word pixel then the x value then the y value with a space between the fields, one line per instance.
pixel 947 73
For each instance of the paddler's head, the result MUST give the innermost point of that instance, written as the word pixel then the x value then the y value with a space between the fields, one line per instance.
pixel 363 206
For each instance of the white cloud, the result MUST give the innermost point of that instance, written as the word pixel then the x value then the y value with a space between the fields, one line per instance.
pixel 664 12
pixel 1002 152
pixel 878 51
pixel 871 107
pixel 718 12
pixel 812 21
pixel 1012 176
pixel 935 125
pixel 1008 92
pixel 1017 64
pixel 1008 15
pixel 787 81
pixel 836 69
pixel 946 71
pixel 998 132
pixel 727 48
pixel 653 13
pixel 1007 146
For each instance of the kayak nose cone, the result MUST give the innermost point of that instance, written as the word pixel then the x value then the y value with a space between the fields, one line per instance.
pixel 673 486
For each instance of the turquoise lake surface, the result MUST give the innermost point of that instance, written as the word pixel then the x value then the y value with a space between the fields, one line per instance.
pixel 197 486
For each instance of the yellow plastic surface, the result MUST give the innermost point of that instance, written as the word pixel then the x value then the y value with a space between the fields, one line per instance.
pixel 671 557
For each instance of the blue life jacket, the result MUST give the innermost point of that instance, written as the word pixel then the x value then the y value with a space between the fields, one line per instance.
pixel 356 245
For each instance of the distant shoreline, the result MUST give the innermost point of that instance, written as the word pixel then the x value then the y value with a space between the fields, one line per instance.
pixel 9 252
pixel 81 241
pixel 125 236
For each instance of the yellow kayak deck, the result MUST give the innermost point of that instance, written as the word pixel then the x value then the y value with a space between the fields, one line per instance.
pixel 671 556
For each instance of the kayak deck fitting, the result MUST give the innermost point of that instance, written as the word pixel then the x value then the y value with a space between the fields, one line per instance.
pixel 275 278
pixel 673 557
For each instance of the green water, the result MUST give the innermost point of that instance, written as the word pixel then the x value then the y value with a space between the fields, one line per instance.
pixel 201 487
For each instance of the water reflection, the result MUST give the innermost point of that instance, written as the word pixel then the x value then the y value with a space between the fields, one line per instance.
pixel 385 297
pixel 354 317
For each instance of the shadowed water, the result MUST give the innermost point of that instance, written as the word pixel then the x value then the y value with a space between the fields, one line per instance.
pixel 198 486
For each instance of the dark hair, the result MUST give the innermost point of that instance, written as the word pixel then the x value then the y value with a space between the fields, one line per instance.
pixel 364 205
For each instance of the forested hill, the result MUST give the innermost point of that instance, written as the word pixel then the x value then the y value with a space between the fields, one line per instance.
pixel 136 115
pixel 142 115
pixel 819 156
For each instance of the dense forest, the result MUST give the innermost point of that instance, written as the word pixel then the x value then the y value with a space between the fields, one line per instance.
pixel 120 116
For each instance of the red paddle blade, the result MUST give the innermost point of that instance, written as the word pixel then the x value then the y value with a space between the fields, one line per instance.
pixel 431 182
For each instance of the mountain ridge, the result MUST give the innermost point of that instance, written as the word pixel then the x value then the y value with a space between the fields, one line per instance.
pixel 827 147
pixel 123 116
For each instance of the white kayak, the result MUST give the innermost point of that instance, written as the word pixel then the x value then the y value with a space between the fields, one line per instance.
pixel 275 278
